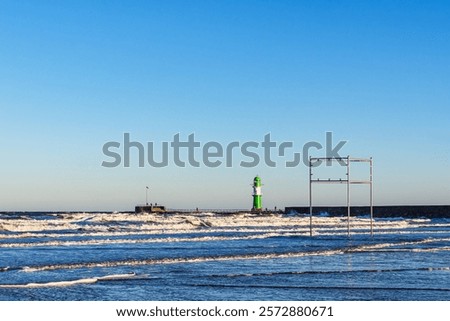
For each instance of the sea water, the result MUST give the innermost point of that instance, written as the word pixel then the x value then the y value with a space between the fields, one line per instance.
pixel 208 256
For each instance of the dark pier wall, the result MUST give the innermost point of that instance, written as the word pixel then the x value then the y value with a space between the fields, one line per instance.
pixel 149 209
pixel 411 211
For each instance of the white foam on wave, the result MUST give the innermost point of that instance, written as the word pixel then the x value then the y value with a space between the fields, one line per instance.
pixel 117 224
pixel 112 277
pixel 372 247
pixel 151 240
pixel 444 248
pixel 339 251
pixel 181 260
pixel 94 242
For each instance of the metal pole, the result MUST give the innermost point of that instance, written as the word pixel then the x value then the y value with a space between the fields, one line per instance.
pixel 371 196
pixel 146 195
pixel 348 195
pixel 310 196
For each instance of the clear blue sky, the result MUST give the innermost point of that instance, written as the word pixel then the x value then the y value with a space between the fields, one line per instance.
pixel 76 74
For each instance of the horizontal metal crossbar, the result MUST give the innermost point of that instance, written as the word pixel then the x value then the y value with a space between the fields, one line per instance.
pixel 324 181
pixel 360 182
pixel 338 159
pixel 338 181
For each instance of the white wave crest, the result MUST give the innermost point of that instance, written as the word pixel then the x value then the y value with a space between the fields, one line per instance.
pixel 71 282
pixel 123 224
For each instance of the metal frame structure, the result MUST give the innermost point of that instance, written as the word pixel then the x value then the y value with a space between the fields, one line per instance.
pixel 344 161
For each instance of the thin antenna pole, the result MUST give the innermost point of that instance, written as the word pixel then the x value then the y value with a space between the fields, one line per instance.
pixel 348 195
pixel 371 196
pixel 310 197
pixel 146 195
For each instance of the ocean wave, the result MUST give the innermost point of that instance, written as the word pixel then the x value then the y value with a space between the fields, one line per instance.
pixel 151 240
pixel 109 224
pixel 113 277
pixel 237 275
pixel 178 260
pixel 315 287
pixel 372 247
pixel 329 252
pixel 206 238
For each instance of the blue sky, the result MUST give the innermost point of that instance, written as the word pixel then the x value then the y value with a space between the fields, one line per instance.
pixel 77 74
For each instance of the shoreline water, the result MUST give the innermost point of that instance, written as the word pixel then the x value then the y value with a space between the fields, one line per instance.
pixel 208 256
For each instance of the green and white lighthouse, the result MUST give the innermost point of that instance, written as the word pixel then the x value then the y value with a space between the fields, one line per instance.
pixel 257 204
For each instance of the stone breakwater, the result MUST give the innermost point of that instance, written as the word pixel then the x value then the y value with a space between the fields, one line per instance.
pixel 410 211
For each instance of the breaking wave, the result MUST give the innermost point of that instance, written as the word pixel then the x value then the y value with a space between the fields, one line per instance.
pixel 330 272
pixel 329 252
pixel 113 277
pixel 315 287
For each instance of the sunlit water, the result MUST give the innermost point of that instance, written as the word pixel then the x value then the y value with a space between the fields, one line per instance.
pixel 207 256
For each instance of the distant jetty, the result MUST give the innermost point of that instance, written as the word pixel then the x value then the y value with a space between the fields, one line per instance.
pixel 409 211
pixel 387 211
pixel 150 209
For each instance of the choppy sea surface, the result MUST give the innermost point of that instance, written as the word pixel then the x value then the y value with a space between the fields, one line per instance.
pixel 208 256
